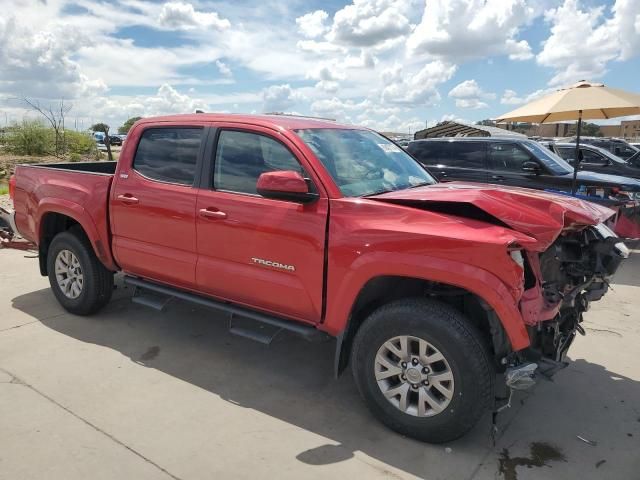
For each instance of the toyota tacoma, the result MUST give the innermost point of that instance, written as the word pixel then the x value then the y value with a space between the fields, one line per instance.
pixel 432 290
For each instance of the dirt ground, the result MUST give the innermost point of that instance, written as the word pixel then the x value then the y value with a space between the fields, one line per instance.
pixel 133 393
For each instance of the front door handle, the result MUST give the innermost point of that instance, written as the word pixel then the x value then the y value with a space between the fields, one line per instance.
pixel 128 198
pixel 443 174
pixel 211 213
pixel 497 177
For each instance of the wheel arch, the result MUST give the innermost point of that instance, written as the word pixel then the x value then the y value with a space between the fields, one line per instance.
pixel 63 218
pixel 381 290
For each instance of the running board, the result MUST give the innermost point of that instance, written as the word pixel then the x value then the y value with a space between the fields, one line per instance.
pixel 307 332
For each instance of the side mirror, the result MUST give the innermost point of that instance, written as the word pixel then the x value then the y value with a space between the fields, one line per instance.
pixel 285 185
pixel 530 166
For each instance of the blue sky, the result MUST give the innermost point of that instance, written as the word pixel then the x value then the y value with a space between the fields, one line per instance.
pixel 393 65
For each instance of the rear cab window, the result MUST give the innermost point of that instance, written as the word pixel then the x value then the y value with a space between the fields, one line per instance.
pixel 169 154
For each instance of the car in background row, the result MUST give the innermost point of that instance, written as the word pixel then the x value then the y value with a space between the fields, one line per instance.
pixel 617 146
pixel 115 140
pixel 596 159
pixel 526 163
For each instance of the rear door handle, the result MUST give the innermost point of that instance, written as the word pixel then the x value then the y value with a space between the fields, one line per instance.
pixel 128 198
pixel 443 174
pixel 211 213
pixel 497 177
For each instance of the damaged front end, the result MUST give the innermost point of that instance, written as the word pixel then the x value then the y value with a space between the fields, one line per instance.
pixel 560 283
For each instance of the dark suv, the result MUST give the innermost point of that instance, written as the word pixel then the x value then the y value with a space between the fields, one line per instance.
pixel 517 162
pixel 598 159
pixel 617 146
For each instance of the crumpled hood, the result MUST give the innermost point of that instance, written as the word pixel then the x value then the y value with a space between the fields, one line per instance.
pixel 537 214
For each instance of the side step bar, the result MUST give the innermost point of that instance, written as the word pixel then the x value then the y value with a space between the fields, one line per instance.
pixel 307 332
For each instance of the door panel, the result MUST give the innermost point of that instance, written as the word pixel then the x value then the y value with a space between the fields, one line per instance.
pixel 153 220
pixel 265 253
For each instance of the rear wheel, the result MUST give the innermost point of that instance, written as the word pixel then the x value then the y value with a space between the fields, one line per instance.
pixel 423 369
pixel 80 282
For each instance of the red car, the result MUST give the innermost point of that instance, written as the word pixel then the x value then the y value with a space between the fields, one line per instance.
pixel 330 230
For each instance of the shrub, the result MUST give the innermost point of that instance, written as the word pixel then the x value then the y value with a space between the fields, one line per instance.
pixel 75 157
pixel 79 143
pixel 30 137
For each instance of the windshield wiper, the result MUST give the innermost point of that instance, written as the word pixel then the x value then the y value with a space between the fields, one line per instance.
pixel 379 192
pixel 422 184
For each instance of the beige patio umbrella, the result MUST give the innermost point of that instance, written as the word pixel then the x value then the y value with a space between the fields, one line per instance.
pixel 584 100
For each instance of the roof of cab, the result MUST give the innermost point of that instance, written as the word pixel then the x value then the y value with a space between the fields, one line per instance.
pixel 277 122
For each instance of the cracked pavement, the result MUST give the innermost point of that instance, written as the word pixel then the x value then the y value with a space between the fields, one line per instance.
pixel 133 393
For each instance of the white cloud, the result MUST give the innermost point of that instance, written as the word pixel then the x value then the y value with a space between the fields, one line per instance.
pixel 280 98
pixel 181 15
pixel 584 40
pixel 418 88
pixel 312 25
pixel 223 68
pixel 39 62
pixel 511 97
pixel 459 29
pixel 369 22
pixel 468 94
pixel 395 124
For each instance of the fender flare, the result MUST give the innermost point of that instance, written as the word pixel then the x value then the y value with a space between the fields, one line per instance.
pixel 76 212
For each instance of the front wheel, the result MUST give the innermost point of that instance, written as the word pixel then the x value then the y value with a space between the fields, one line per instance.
pixel 423 369
pixel 80 282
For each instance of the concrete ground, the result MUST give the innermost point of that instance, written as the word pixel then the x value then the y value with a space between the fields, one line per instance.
pixel 132 393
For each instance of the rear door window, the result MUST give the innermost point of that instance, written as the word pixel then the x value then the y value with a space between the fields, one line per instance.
pixel 169 154
pixel 569 154
pixel 450 154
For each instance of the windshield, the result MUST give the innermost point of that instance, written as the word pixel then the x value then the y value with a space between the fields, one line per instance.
pixel 364 163
pixel 552 161
pixel 634 160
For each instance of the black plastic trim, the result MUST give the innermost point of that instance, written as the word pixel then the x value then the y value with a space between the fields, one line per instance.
pixel 307 332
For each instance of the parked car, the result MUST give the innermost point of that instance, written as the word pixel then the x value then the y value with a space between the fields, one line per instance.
pixel 115 140
pixel 328 230
pixel 526 163
pixel 617 146
pixel 99 137
pixel 595 159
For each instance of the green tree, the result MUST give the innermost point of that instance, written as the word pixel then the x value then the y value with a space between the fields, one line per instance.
pixel 486 123
pixel 588 130
pixel 124 129
pixel 100 127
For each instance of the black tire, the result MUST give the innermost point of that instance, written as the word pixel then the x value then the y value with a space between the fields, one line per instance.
pixel 97 280
pixel 448 331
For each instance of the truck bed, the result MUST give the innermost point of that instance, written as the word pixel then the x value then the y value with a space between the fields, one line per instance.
pixel 44 193
pixel 108 168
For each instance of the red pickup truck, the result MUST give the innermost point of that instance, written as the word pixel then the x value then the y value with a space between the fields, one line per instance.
pixel 328 230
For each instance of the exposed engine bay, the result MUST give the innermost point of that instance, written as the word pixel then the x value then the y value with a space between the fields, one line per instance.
pixel 560 283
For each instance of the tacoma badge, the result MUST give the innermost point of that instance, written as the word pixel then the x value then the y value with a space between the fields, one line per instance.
pixel 271 263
